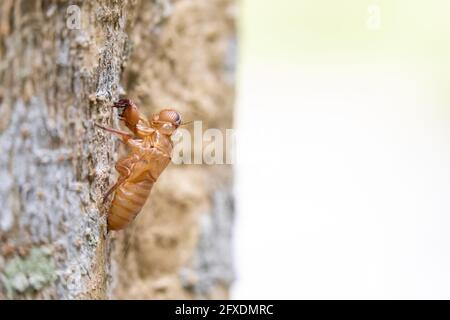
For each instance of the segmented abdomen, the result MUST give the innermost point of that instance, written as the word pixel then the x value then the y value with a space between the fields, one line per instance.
pixel 128 201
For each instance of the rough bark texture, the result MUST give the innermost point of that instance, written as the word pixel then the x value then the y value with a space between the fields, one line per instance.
pixel 55 166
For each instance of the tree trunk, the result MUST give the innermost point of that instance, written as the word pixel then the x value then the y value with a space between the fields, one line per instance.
pixel 62 64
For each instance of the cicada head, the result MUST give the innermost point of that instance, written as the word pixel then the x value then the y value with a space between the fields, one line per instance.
pixel 167 121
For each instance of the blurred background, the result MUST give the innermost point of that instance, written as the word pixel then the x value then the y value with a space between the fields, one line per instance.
pixel 343 150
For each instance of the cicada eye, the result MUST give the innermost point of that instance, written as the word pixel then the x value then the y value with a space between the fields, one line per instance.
pixel 178 121
pixel 170 116
pixel 167 126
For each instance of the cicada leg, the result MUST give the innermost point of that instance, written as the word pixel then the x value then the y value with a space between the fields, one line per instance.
pixel 124 168
pixel 125 136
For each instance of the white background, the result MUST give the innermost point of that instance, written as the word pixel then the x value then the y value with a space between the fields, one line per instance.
pixel 343 188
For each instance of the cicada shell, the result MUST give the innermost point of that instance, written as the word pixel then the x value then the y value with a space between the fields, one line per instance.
pixel 151 148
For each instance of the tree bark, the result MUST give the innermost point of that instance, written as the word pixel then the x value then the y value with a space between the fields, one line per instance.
pixel 59 76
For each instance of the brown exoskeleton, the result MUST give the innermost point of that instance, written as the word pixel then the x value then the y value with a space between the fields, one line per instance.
pixel 151 149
